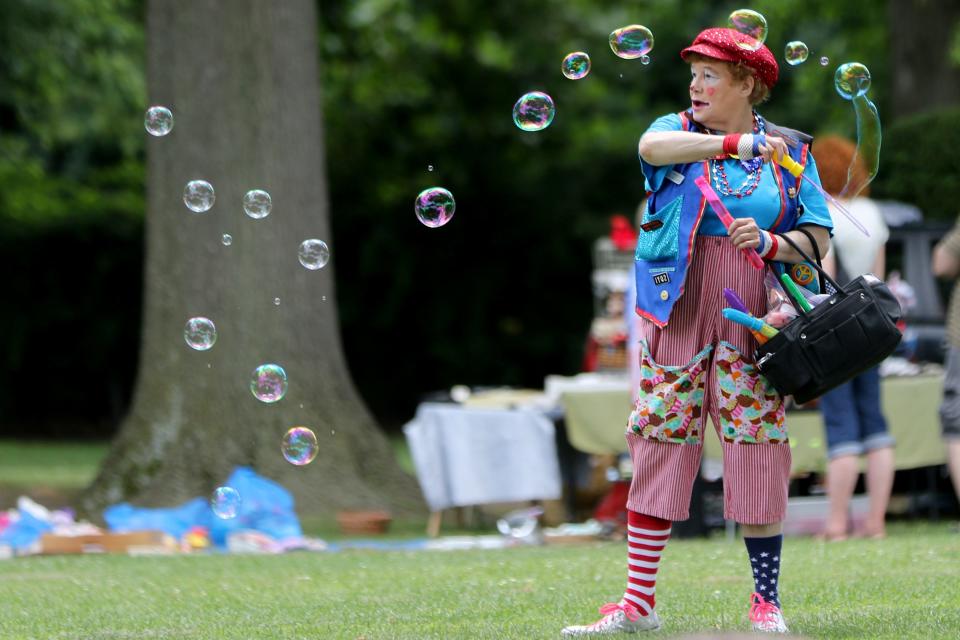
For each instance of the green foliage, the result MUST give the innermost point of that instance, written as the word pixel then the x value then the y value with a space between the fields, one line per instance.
pixel 919 163
pixel 901 587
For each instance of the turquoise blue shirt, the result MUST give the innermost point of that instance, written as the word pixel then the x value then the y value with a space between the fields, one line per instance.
pixel 763 205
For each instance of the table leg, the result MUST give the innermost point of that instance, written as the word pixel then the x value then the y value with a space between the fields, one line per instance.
pixel 433 524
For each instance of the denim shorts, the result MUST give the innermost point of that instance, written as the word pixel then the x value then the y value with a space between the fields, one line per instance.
pixel 853 417
pixel 950 407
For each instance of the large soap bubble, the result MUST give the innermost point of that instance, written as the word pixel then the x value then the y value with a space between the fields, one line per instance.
pixel 257 203
pixel 198 195
pixel 576 65
pixel 631 42
pixel 796 52
pixel 225 502
pixel 158 121
pixel 200 333
pixel 434 206
pixel 299 446
pixel 851 80
pixel 269 383
pixel 313 254
pixel 534 111
pixel 749 23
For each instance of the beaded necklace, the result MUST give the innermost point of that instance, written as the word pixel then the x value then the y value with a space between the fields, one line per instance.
pixel 753 167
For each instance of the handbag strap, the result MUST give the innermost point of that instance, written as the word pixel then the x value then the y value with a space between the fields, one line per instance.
pixel 816 265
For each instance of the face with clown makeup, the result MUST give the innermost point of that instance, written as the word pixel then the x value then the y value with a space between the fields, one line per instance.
pixel 720 100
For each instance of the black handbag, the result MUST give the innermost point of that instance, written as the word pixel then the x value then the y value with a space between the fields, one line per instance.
pixel 840 338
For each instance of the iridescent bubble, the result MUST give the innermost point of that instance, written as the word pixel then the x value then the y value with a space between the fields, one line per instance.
pixel 851 80
pixel 257 203
pixel 429 167
pixel 751 24
pixel 576 65
pixel 869 138
pixel 534 111
pixel 225 502
pixel 158 121
pixel 276 301
pixel 434 206
pixel 631 42
pixel 269 383
pixel 200 333
pixel 227 239
pixel 644 59
pixel 796 52
pixel 198 195
pixel 299 446
pixel 313 254
pixel 824 61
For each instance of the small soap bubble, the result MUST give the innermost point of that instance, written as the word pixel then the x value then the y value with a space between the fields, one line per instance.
pixel 257 203
pixel 631 42
pixel 276 302
pixel 434 206
pixel 324 298
pixel 225 502
pixel 576 65
pixel 429 167
pixel 198 195
pixel 851 80
pixel 796 53
pixel 299 446
pixel 200 333
pixel 227 239
pixel 158 121
pixel 751 24
pixel 824 61
pixel 534 111
pixel 644 59
pixel 313 254
pixel 269 383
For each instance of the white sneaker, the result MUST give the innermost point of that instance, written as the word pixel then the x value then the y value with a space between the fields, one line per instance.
pixel 765 616
pixel 618 617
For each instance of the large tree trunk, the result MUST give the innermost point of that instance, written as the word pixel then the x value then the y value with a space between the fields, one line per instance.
pixel 924 76
pixel 241 78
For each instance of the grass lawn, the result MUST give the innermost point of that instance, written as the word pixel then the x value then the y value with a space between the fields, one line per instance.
pixel 904 587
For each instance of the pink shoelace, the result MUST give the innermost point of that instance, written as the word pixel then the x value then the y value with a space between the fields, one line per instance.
pixel 628 610
pixel 761 610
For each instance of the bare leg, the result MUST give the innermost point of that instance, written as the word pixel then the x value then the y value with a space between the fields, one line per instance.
pixel 761 530
pixel 842 473
pixel 879 484
pixel 953 462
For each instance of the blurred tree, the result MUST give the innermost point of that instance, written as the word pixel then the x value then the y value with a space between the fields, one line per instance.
pixel 241 78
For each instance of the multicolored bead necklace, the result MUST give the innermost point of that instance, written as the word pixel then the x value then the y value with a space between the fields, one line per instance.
pixel 753 167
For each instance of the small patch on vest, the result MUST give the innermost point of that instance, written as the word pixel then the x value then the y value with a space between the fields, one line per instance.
pixel 675 176
pixel 792 192
pixel 661 278
pixel 653 225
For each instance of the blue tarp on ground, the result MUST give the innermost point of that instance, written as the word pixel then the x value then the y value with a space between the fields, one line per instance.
pixel 265 506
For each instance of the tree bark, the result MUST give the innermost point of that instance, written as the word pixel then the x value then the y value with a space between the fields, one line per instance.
pixel 924 76
pixel 241 78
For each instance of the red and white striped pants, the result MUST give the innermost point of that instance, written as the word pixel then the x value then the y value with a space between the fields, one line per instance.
pixel 701 364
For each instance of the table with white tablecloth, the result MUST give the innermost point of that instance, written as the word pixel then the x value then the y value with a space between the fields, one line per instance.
pixel 471 456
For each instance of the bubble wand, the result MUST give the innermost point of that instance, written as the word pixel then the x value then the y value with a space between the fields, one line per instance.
pixel 796 170
pixel 726 218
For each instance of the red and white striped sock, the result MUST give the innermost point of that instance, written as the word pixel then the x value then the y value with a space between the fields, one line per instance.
pixel 646 538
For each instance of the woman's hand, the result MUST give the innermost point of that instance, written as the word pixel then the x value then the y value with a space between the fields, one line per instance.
pixel 744 233
pixel 775 146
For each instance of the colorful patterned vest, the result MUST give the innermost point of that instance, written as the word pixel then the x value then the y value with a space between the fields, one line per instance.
pixel 673 214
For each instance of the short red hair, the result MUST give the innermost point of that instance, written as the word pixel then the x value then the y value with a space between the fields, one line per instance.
pixel 834 155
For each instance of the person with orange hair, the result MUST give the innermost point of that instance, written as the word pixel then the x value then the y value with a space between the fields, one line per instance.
pixel 852 415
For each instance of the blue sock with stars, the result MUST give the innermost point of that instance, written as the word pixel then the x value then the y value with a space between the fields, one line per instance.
pixel 764 556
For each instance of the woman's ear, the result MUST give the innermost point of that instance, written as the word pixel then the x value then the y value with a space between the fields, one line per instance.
pixel 746 88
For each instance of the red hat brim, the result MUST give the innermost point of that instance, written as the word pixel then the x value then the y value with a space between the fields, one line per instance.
pixel 710 51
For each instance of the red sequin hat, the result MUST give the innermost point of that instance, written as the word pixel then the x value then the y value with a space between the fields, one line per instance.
pixel 721 44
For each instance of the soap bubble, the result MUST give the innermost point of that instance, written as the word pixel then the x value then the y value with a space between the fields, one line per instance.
pixel 200 333
pixel 257 203
pixel 227 239
pixel 749 23
pixel 269 383
pixel 313 254
pixel 851 80
pixel 576 65
pixel 299 446
pixel 520 523
pixel 158 121
pixel 868 147
pixel 644 59
pixel 225 502
pixel 276 301
pixel 824 61
pixel 198 195
pixel 429 167
pixel 631 42
pixel 435 206
pixel 796 53
pixel 534 111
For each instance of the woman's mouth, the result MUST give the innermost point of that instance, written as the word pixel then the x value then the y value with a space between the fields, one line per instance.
pixel 699 104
